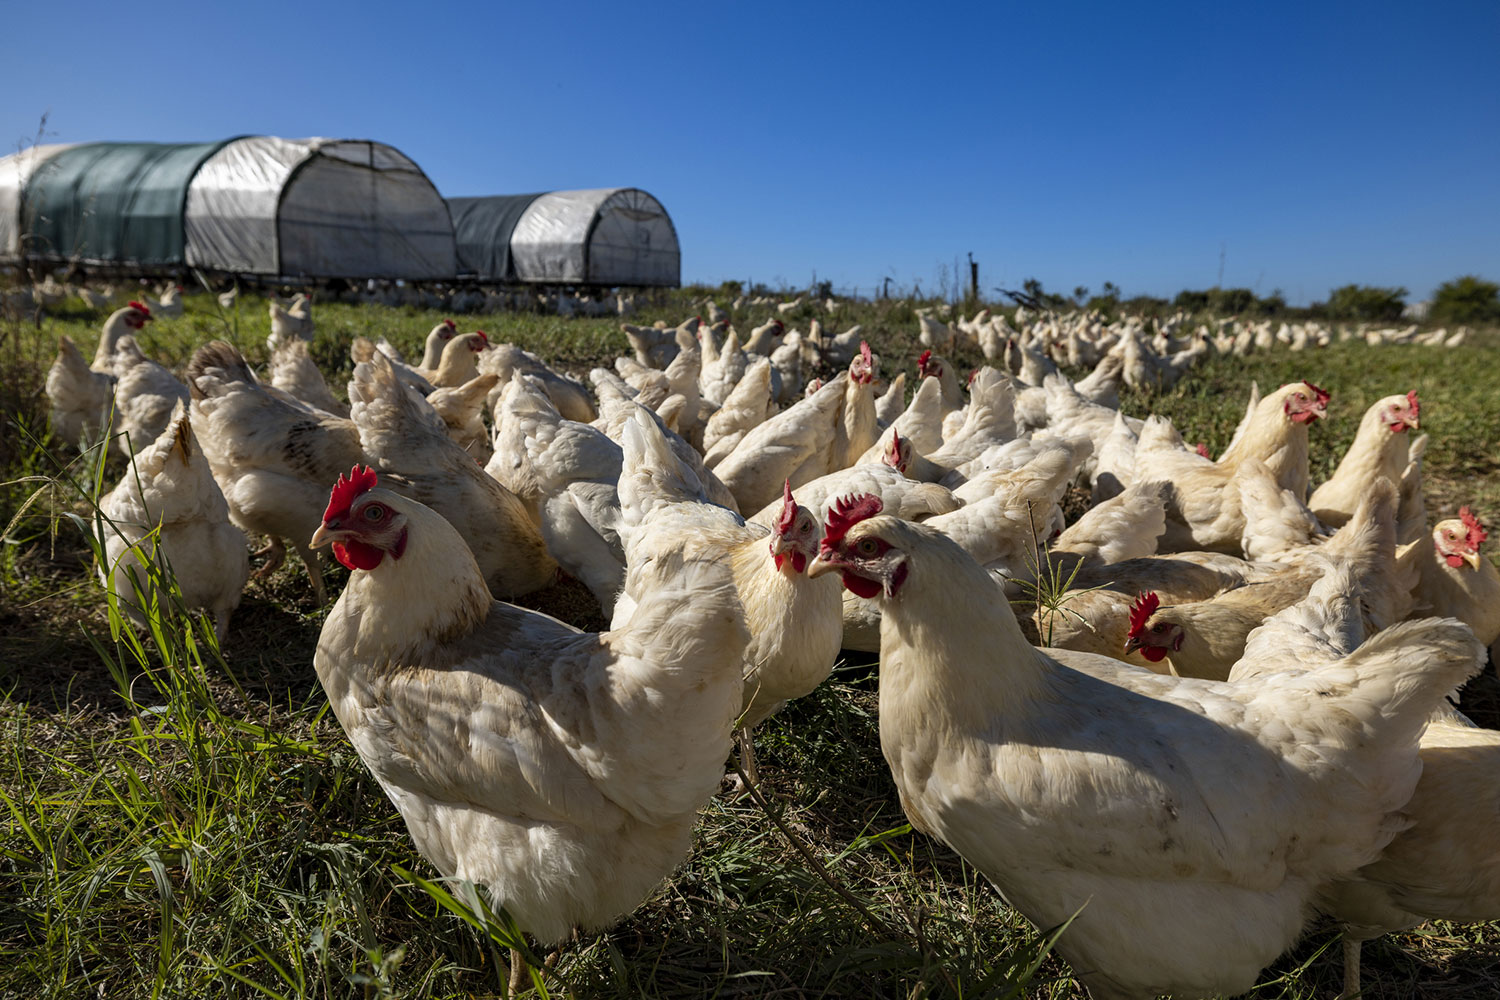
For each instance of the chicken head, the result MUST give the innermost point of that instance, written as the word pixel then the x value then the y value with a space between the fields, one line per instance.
pixel 1155 638
pixel 795 541
pixel 1458 539
pixel 1306 403
pixel 362 522
pixel 869 564
pixel 1400 412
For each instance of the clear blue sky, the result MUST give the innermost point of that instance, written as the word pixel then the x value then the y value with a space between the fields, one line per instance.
pixel 1315 144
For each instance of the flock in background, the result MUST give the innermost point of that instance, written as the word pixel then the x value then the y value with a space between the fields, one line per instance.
pixel 1236 719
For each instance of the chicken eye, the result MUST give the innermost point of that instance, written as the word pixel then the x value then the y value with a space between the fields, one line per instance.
pixel 1158 628
pixel 866 547
pixel 374 512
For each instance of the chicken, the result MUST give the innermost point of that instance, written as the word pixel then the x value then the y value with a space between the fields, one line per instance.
pixel 794 621
pixel 80 398
pixel 903 497
pixel 145 396
pixel 1379 449
pixel 1205 513
pixel 128 321
pixel 458 362
pixel 462 410
pixel 1455 579
pixel 1205 639
pixel 437 340
pixel 404 435
pixel 167 511
pixel 571 399
pixel 1178 827
pixel 272 457
pixel 1445 865
pixel 294 372
pixel 560 770
pixel 857 429
pixel 170 304
pixel 793 445
pixel 289 322
pixel 745 408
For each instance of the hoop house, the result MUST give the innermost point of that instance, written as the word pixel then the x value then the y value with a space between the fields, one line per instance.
pixel 309 208
pixel 604 236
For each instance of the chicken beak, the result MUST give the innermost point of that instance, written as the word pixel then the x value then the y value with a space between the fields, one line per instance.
pixel 1414 422
pixel 1472 558
pixel 323 536
pixel 820 566
pixel 1132 644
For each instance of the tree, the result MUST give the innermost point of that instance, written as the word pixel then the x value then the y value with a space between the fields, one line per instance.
pixel 1080 294
pixel 1366 302
pixel 1469 299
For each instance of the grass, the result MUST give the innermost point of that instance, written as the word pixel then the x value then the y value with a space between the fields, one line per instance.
pixel 183 820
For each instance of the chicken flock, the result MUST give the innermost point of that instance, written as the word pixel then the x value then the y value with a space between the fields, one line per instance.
pixel 1234 721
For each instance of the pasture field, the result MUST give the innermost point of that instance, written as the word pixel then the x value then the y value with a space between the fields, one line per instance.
pixel 181 820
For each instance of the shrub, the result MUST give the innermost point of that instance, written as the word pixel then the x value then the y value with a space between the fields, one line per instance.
pixel 1466 300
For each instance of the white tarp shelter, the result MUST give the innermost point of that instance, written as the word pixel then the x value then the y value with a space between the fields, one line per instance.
pixel 296 208
pixel 603 236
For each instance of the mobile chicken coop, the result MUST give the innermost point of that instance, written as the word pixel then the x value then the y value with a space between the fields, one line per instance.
pixel 601 237
pixel 253 205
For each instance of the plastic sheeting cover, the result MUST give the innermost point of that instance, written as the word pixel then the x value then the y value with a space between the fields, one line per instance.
pixel 318 207
pixel 482 229
pixel 15 170
pixel 112 202
pixel 603 236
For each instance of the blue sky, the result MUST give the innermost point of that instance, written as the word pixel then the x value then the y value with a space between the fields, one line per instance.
pixel 1311 144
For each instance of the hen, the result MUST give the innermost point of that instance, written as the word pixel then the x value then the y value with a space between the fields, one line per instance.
pixel 1454 577
pixel 404 435
pixel 559 769
pixel 1445 865
pixel 167 509
pixel 272 456
pixel 145 396
pixel 1379 449
pixel 80 398
pixel 1182 826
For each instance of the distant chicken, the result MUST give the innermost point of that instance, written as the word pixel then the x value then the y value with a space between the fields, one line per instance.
pixel 458 363
pixel 168 510
pixel 170 304
pixel 145 396
pixel 127 321
pixel 462 410
pixel 271 456
pixel 80 398
pixel 560 770
pixel 1178 828
pixel 1379 449
pixel 291 321
pixel 792 445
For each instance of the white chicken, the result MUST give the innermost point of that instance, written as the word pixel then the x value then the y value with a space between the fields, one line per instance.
pixel 80 398
pixel 168 511
pixel 561 770
pixel 145 396
pixel 1179 827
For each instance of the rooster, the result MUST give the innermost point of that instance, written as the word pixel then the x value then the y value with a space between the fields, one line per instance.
pixel 1180 828
pixel 559 769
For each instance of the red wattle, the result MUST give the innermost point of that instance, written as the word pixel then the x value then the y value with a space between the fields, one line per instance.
pixel 799 561
pixel 1154 653
pixel 859 586
pixel 1455 561
pixel 357 555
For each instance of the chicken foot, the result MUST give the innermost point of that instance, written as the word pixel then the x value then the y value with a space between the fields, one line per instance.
pixel 276 550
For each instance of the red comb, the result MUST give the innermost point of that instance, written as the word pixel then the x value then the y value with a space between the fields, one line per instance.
pixel 788 516
pixel 864 352
pixel 139 305
pixel 1414 403
pixel 1144 607
pixel 346 491
pixel 1322 394
pixel 1203 450
pixel 484 341
pixel 450 324
pixel 892 456
pixel 1477 534
pixel 922 363
pixel 846 513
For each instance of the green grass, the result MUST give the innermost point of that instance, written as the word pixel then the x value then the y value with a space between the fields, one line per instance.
pixel 185 821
